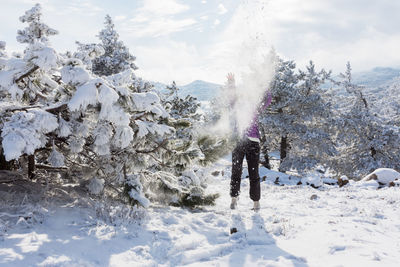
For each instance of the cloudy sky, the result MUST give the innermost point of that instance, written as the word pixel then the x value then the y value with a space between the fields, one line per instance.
pixel 185 40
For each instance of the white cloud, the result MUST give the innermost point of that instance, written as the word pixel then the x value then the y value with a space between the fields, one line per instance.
pixel 365 53
pixel 328 32
pixel 174 41
pixel 157 18
pixel 158 27
pixel 120 17
pixel 65 16
pixel 162 8
pixel 333 32
pixel 173 60
pixel 221 9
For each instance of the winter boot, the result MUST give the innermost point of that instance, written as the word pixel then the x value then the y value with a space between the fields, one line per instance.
pixel 256 205
pixel 234 203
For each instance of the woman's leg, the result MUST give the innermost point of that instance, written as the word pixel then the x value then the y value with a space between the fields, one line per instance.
pixel 253 158
pixel 237 162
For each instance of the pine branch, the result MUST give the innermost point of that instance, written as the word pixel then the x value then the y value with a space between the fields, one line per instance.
pixel 58 109
pixel 21 108
pixel 35 68
pixel 50 168
pixel 161 145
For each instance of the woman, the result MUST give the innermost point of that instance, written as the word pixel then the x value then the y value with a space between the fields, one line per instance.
pixel 248 145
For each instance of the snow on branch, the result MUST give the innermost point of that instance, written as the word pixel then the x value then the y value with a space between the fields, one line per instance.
pixel 25 132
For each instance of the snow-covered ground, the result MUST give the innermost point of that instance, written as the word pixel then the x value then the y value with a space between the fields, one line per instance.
pixel 296 226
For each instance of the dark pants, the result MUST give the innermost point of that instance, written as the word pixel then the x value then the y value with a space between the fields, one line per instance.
pixel 251 150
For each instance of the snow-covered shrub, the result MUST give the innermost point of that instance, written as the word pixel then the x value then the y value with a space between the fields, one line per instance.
pixel 117 213
pixel 185 190
pixel 134 191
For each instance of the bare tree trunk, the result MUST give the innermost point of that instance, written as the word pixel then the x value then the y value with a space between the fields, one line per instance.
pixel 264 150
pixel 283 150
pixel 266 162
pixel 373 152
pixel 31 166
pixel 4 165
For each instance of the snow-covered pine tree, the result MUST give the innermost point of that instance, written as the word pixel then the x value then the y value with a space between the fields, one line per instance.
pixel 275 123
pixel 109 131
pixel 190 145
pixel 183 118
pixel 36 30
pixel 132 156
pixel 28 85
pixel 299 117
pixel 177 180
pixel 365 141
pixel 116 57
pixel 29 79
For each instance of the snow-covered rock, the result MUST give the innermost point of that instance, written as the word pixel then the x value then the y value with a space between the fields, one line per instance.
pixel 383 176
pixel 313 180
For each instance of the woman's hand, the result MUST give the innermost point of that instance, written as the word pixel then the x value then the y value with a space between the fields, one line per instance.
pixel 231 78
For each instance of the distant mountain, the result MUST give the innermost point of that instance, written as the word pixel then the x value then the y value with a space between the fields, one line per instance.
pixel 377 77
pixel 376 81
pixel 203 91
pixel 160 87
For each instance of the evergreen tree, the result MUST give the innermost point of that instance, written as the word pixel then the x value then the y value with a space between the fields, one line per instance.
pixel 108 132
pixel 116 57
pixel 36 30
pixel 275 123
pixel 184 118
pixel 298 119
pixel 28 85
pixel 366 142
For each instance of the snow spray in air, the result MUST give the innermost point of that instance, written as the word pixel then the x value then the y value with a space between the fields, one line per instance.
pixel 239 100
pixel 252 61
